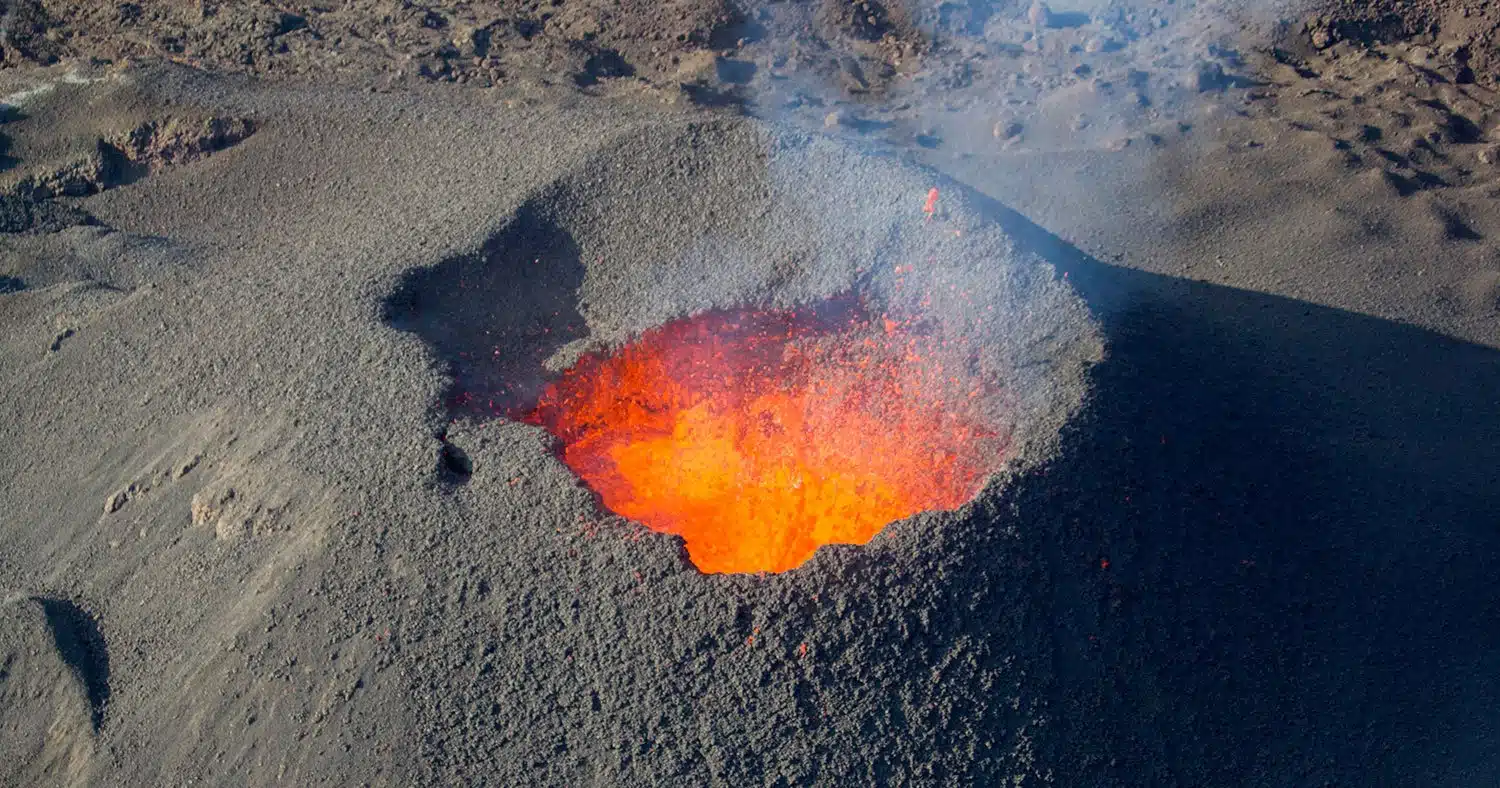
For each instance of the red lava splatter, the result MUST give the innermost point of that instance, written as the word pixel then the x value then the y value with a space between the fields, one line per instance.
pixel 931 207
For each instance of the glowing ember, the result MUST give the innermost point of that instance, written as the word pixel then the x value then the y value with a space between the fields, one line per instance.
pixel 759 436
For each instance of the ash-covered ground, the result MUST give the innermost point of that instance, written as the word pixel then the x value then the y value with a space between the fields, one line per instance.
pixel 1249 317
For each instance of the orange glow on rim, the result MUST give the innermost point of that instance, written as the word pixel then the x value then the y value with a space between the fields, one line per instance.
pixel 759 436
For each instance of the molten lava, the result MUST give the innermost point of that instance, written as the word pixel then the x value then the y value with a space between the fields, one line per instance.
pixel 759 436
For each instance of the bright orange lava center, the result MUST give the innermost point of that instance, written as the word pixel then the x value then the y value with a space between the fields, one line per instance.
pixel 759 436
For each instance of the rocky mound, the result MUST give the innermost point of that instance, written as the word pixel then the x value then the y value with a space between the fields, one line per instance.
pixel 54 690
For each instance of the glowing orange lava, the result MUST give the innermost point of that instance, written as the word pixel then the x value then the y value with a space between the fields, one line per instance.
pixel 759 436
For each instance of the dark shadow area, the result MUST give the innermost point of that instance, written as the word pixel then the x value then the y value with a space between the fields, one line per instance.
pixel 119 170
pixel 1459 129
pixel 288 23
pixel 78 639
pixel 1269 544
pixel 864 126
pixel 1407 185
pixel 735 72
pixel 1383 29
pixel 1454 226
pixel 1060 20
pixel 601 64
pixel 10 284
pixel 8 161
pixel 497 315
pixel 1240 81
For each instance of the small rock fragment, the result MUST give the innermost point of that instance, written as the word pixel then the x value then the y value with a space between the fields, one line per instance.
pixel 187 467
pixel 1420 56
pixel 208 505
pixel 700 67
pixel 470 40
pixel 116 502
pixel 1008 130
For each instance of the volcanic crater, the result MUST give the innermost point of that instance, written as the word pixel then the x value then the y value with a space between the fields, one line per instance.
pixel 804 359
